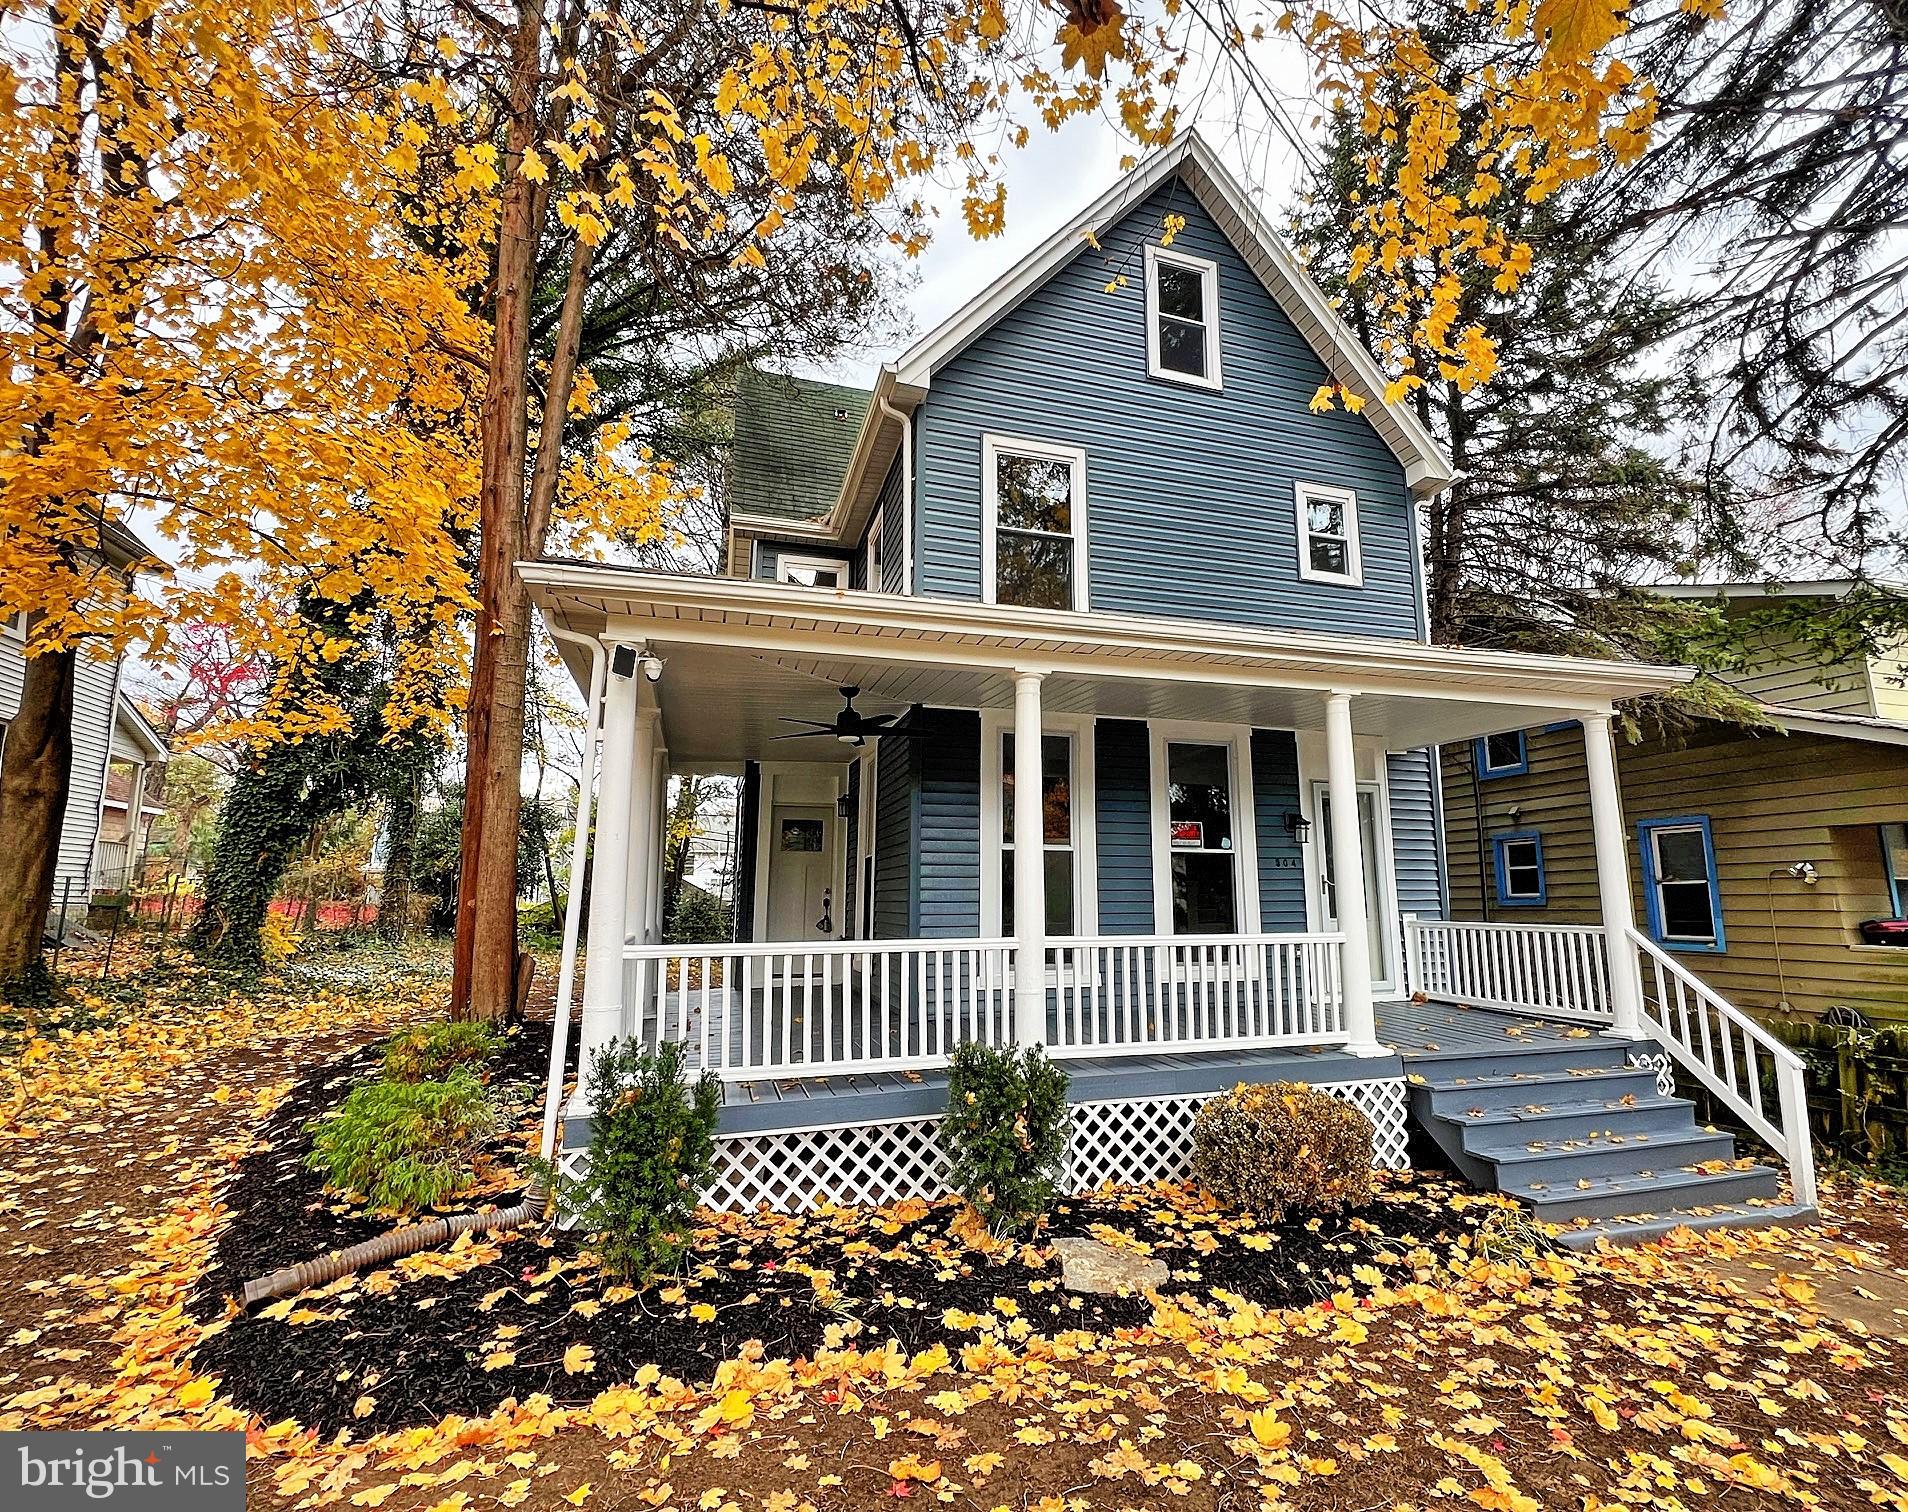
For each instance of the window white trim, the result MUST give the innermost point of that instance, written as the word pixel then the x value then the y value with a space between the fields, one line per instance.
pixel 792 561
pixel 996 723
pixel 992 446
pixel 1208 272
pixel 1237 739
pixel 1302 494
pixel 15 627
pixel 871 554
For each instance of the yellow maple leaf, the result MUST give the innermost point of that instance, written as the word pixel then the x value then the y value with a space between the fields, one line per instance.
pixel 1089 50
pixel 1578 28
pixel 580 1495
pixel 579 1359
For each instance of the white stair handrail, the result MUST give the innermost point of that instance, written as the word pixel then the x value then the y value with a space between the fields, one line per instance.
pixel 1720 1045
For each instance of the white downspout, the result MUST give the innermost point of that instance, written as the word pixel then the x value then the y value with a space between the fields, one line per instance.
pixel 573 905
pixel 889 412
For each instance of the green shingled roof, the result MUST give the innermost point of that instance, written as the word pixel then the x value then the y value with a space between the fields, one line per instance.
pixel 793 440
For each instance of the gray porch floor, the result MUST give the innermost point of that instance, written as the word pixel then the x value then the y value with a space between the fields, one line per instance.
pixel 1414 1030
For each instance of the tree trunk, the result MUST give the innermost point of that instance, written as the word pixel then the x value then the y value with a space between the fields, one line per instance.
pixel 485 948
pixel 682 816
pixel 394 908
pixel 36 768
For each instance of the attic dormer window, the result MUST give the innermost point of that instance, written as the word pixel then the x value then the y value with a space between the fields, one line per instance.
pixel 1182 317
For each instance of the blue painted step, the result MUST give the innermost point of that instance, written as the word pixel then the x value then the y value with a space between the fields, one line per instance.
pixel 1582 1138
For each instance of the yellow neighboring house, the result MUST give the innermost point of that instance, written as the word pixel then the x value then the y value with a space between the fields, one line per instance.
pixel 1770 862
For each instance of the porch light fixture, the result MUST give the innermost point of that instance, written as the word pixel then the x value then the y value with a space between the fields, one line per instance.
pixel 1298 826
pixel 845 806
pixel 653 668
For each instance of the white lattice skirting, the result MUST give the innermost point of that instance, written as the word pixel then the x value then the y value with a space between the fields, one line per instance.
pixel 1119 1141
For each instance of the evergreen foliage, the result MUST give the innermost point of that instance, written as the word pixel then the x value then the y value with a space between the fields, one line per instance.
pixel 1005 1132
pixel 404 1145
pixel 652 1147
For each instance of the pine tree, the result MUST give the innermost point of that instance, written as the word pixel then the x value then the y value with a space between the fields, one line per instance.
pixel 1570 488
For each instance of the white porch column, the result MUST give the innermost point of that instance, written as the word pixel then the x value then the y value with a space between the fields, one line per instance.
pixel 1348 868
pixel 1030 871
pixel 609 879
pixel 643 820
pixel 1613 878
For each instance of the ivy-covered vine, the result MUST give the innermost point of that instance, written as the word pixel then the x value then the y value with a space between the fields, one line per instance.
pixel 289 787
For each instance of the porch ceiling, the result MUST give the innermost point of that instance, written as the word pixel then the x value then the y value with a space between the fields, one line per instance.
pixel 741 654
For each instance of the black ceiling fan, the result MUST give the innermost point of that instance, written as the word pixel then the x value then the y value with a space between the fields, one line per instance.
pixel 851 727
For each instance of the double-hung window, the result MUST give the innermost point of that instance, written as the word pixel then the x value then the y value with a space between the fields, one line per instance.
pixel 1033 524
pixel 1328 535
pixel 1504 755
pixel 1894 850
pixel 1057 838
pixel 1679 883
pixel 1519 863
pixel 1182 317
pixel 1200 842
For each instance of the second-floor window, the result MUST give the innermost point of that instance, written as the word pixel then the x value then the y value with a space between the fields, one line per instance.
pixel 811 572
pixel 1328 535
pixel 1033 524
pixel 1182 317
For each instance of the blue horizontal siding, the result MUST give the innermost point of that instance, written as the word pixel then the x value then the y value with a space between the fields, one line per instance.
pixel 1275 793
pixel 894 840
pixel 1189 492
pixel 1409 776
pixel 948 826
pixel 1122 801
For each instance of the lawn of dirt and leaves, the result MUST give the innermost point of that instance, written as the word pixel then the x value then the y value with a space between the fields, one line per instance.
pixel 1418 1353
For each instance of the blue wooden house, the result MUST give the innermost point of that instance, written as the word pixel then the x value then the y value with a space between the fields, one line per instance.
pixel 1084 566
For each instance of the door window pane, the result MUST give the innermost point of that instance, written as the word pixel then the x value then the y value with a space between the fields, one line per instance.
pixel 802 834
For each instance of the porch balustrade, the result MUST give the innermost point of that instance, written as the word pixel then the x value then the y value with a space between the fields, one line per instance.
pixel 1559 971
pixel 843 1007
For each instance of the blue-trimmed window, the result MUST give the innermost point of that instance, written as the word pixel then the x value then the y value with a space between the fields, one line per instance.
pixel 1503 755
pixel 1679 883
pixel 1518 859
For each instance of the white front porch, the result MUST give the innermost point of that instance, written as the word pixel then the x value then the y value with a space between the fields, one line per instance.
pixel 831 1041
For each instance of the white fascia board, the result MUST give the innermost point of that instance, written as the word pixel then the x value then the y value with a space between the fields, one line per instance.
pixel 1843 727
pixel 783 616
pixel 1427 469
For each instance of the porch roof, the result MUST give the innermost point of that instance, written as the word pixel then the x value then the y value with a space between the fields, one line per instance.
pixel 750 652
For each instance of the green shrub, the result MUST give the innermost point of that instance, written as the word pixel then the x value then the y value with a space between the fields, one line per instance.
pixel 404 1145
pixel 652 1149
pixel 428 1053
pixel 1005 1132
pixel 1270 1147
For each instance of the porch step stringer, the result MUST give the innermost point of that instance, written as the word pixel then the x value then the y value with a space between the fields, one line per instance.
pixel 1587 1141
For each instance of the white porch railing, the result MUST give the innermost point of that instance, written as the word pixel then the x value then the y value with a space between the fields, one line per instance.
pixel 820 1008
pixel 767 1010
pixel 1560 971
pixel 1129 996
pixel 1563 972
pixel 1731 1055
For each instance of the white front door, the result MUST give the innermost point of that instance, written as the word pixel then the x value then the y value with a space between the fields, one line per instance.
pixel 801 898
pixel 1373 842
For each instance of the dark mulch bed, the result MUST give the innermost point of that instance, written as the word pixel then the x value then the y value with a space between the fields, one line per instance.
pixel 504 1317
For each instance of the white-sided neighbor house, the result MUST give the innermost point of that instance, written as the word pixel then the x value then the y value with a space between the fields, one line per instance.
pixel 107 729
pixel 1084 566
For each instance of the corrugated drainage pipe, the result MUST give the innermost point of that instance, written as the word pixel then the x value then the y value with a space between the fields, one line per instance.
pixel 396 1244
